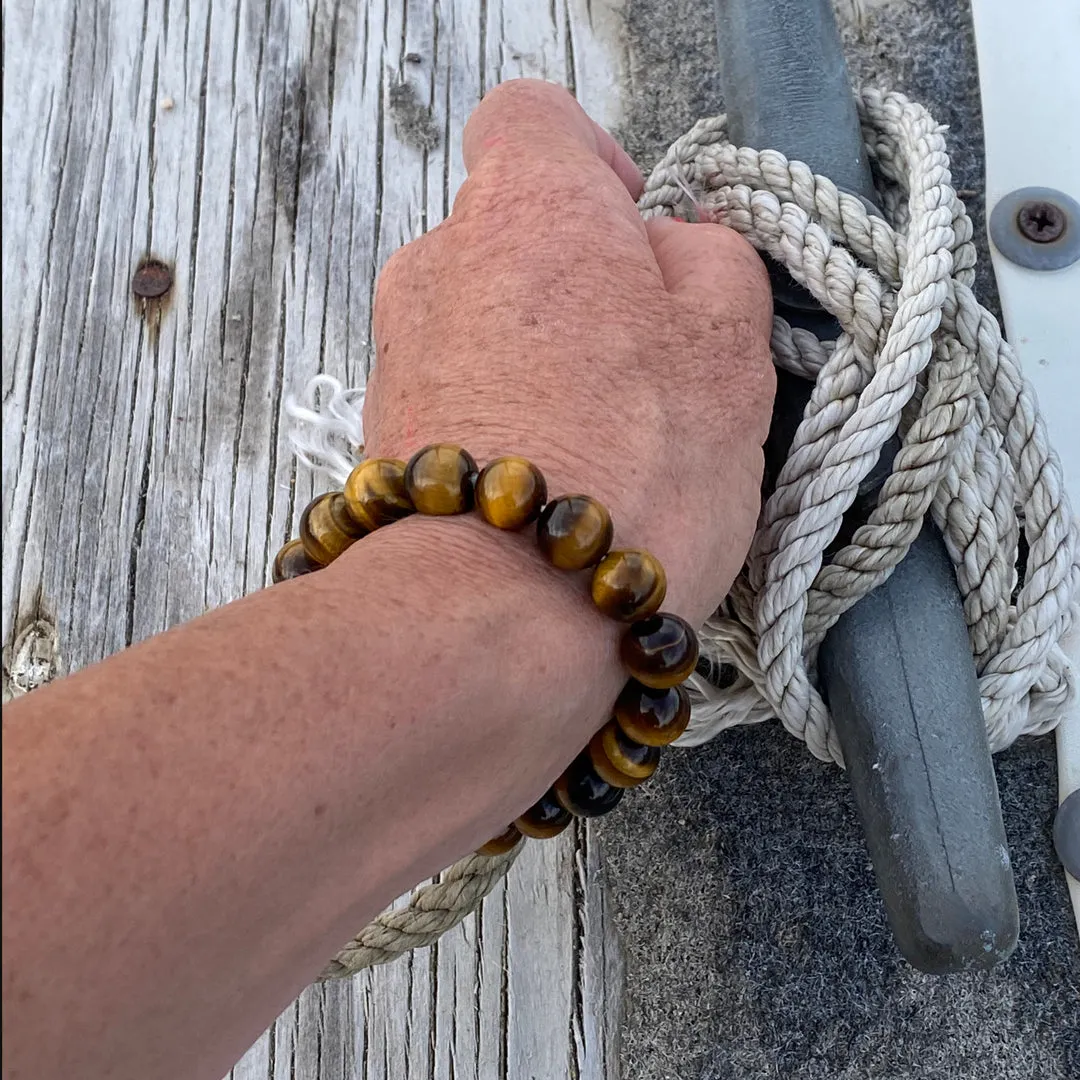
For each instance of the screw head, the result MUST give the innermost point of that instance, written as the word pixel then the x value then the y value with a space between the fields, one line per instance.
pixel 152 280
pixel 1040 221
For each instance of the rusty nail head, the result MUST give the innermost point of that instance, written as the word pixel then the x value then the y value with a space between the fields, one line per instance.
pixel 1040 221
pixel 152 280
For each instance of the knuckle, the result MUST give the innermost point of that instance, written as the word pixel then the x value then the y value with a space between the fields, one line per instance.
pixel 396 272
pixel 525 96
pixel 509 189
pixel 404 273
pixel 530 91
pixel 393 275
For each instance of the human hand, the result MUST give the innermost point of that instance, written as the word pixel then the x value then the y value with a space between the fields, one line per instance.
pixel 628 360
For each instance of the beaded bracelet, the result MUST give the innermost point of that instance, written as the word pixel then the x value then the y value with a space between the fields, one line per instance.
pixel 574 532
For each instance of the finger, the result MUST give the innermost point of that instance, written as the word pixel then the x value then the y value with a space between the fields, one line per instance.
pixel 540 118
pixel 711 266
pixel 620 161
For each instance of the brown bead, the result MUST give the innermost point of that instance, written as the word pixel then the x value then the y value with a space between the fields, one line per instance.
pixel 375 493
pixel 660 651
pixel 652 717
pixel 583 792
pixel 499 845
pixel 510 492
pixel 292 561
pixel 544 819
pixel 574 532
pixel 327 529
pixel 621 761
pixel 439 480
pixel 339 512
pixel 629 585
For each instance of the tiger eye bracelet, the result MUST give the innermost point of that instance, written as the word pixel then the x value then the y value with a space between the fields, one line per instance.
pixel 575 533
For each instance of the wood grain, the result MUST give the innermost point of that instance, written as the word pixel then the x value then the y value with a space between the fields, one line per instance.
pixel 272 155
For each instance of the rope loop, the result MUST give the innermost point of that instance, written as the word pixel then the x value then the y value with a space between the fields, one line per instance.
pixel 919 361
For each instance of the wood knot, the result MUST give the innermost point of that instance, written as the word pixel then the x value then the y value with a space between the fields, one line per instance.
pixel 33 659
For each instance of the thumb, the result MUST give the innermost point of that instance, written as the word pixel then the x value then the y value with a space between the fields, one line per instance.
pixel 714 269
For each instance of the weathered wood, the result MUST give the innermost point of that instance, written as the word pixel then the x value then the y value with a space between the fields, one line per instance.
pixel 272 155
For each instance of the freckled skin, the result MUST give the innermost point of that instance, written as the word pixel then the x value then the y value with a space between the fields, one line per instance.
pixel 626 360
pixel 193 827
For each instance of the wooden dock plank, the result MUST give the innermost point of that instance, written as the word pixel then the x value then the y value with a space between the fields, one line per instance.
pixel 272 156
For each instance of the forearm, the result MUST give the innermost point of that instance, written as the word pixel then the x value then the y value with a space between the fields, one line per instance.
pixel 238 796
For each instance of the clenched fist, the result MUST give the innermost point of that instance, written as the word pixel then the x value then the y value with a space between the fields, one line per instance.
pixel 628 359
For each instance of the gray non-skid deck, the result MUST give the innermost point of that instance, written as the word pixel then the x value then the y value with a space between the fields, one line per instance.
pixel 274 154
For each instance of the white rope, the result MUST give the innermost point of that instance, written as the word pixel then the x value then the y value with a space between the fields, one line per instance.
pixel 327 432
pixel 918 359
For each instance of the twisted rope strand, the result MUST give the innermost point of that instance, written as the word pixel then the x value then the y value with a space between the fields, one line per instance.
pixel 432 910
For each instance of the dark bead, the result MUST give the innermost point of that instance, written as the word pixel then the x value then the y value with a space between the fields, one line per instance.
pixel 619 760
pixel 574 532
pixel 439 480
pixel 629 585
pixel 375 493
pixel 499 845
pixel 581 791
pixel 652 717
pixel 660 651
pixel 326 528
pixel 544 819
pixel 510 492
pixel 292 561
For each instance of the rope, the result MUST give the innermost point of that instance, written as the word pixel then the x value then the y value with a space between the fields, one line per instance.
pixel 432 910
pixel 918 360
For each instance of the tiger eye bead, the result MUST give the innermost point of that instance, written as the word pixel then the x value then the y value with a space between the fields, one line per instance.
pixel 660 651
pixel 292 561
pixel 621 761
pixel 544 819
pixel 652 717
pixel 629 585
pixel 439 480
pixel 327 529
pixel 574 532
pixel 499 845
pixel 510 492
pixel 375 493
pixel 582 791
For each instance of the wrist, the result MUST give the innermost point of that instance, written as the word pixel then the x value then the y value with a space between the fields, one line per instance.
pixel 489 624
pixel 639 517
pixel 510 668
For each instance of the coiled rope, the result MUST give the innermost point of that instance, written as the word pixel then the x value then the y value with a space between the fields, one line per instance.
pixel 919 359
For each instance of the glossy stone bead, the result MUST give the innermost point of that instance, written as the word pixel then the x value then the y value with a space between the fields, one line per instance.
pixel 582 791
pixel 439 480
pixel 544 819
pixel 510 492
pixel 660 651
pixel 652 717
pixel 327 529
pixel 292 561
pixel 375 493
pixel 339 512
pixel 499 845
pixel 574 532
pixel 629 585
pixel 621 761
